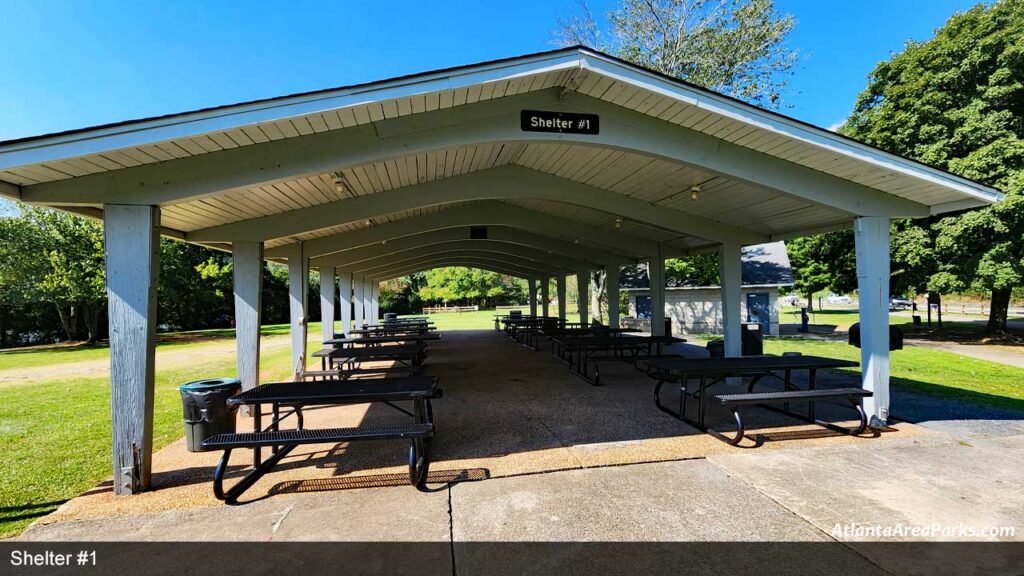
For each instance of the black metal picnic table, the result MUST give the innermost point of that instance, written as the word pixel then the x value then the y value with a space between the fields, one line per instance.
pixel 297 395
pixel 709 371
pixel 409 355
pixel 622 347
pixel 555 334
pixel 379 339
pixel 408 329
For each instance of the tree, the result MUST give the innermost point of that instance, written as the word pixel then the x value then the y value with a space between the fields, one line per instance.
pixel 824 261
pixel 957 102
pixel 458 285
pixel 70 249
pixel 735 47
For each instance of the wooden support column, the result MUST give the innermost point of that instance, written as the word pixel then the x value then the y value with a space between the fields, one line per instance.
pixel 367 298
pixel 656 275
pixel 729 258
pixel 583 295
pixel 359 315
pixel 375 299
pixel 298 289
pixel 560 288
pixel 531 286
pixel 612 287
pixel 327 302
pixel 132 242
pixel 247 272
pixel 871 236
pixel 545 295
pixel 345 300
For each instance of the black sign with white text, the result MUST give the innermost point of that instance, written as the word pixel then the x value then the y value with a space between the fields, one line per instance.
pixel 562 122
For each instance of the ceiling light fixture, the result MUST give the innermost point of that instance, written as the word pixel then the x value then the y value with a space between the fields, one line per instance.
pixel 694 192
pixel 340 185
pixel 618 223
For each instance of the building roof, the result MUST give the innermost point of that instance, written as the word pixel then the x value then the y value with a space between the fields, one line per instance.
pixel 761 265
pixel 356 166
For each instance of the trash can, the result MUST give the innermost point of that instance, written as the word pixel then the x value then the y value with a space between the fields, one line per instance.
pixel 716 348
pixel 205 408
pixel 752 340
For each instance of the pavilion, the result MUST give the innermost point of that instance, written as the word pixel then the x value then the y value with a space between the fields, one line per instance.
pixel 538 166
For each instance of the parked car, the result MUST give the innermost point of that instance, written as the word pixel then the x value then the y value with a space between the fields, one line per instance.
pixel 839 299
pixel 792 300
pixel 900 303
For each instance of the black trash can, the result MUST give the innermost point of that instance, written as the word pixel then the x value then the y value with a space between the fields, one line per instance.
pixel 716 348
pixel 752 340
pixel 204 403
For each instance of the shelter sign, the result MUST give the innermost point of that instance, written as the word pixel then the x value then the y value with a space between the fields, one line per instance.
pixel 561 122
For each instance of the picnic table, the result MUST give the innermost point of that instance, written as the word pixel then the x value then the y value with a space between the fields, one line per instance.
pixel 708 371
pixel 407 355
pixel 379 339
pixel 294 396
pixel 554 334
pixel 403 329
pixel 591 349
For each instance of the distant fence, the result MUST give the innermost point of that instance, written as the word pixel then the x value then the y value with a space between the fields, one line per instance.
pixel 443 309
pixel 508 308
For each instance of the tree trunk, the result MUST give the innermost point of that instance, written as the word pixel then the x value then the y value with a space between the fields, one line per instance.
pixel 92 321
pixel 66 322
pixel 3 326
pixel 597 285
pixel 999 309
pixel 810 302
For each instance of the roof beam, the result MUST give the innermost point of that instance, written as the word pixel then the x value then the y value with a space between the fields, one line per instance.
pixel 12 191
pixel 490 267
pixel 468 125
pixel 482 214
pixel 528 255
pixel 495 234
pixel 501 183
pixel 278 160
pixel 466 260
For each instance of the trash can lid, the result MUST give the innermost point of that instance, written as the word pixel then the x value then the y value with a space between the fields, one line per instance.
pixel 211 384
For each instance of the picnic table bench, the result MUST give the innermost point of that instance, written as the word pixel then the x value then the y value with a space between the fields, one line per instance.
pixel 708 371
pixel 297 395
pixel 407 355
pixel 584 350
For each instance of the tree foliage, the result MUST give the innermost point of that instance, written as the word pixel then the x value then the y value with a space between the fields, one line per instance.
pixel 957 102
pixel 735 47
pixel 468 286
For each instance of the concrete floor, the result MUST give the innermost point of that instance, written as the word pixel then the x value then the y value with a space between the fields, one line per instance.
pixel 566 462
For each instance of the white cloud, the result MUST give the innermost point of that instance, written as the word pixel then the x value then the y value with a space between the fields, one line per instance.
pixel 836 126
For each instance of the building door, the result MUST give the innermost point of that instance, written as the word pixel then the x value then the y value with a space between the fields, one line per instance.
pixel 758 311
pixel 643 307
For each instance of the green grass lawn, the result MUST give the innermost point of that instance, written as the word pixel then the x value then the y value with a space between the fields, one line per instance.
pixel 55 433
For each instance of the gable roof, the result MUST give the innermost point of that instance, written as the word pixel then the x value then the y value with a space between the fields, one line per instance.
pixel 268 169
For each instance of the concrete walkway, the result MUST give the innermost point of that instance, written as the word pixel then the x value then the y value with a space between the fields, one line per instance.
pixel 962 476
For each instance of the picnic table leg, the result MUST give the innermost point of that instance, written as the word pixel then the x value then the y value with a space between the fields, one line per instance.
pixel 702 410
pixel 275 425
pixel 812 383
pixel 257 422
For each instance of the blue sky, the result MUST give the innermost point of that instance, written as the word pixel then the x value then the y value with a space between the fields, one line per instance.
pixel 71 64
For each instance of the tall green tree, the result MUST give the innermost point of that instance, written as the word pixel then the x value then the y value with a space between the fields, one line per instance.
pixel 459 285
pixel 957 102
pixel 736 47
pixel 70 250
pixel 822 262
